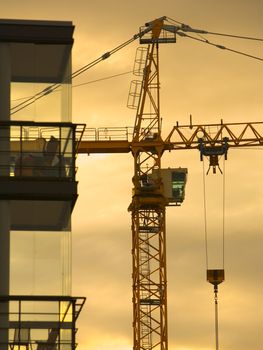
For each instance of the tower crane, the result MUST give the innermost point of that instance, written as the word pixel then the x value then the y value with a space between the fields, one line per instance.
pixel 151 195
pixel 148 200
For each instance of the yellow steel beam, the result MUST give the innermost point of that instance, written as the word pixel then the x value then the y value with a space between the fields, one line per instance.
pixel 110 146
pixel 237 134
pixel 182 137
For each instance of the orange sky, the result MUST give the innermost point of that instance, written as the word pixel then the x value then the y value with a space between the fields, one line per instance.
pixel 210 84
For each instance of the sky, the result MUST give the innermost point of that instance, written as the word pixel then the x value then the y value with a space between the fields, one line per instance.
pixel 197 79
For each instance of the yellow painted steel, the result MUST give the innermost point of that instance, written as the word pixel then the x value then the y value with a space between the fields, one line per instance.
pixel 110 146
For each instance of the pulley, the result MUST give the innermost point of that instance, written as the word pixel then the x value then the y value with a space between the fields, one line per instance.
pixel 213 152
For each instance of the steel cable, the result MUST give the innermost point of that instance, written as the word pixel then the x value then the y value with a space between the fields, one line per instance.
pixel 205 218
pixel 220 46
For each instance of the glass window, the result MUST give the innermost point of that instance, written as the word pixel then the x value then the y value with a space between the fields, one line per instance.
pixel 37 150
pixel 40 263
pixel 41 82
pixel 178 185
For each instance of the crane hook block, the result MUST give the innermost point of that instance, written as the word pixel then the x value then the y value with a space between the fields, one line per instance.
pixel 215 277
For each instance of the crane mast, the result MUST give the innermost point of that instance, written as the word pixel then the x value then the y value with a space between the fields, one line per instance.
pixel 148 210
pixel 148 218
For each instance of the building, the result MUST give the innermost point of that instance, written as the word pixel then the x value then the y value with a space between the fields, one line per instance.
pixel 38 188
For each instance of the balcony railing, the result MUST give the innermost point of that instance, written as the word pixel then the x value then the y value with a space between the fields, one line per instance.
pixel 39 150
pixel 39 322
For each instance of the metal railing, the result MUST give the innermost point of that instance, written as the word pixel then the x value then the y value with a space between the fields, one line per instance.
pixel 38 150
pixel 39 322
pixel 108 134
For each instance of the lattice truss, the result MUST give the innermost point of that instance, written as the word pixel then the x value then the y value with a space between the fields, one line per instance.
pixel 147 122
pixel 149 279
pixel 148 216
pixel 235 134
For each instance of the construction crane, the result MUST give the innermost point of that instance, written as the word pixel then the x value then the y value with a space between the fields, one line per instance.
pixel 156 188
pixel 148 201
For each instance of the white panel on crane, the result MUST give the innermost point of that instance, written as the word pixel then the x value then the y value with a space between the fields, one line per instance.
pixel 174 181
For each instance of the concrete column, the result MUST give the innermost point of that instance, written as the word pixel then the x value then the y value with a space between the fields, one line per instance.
pixel 5 78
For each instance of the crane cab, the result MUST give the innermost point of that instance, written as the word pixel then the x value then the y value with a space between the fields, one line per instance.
pixel 174 181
